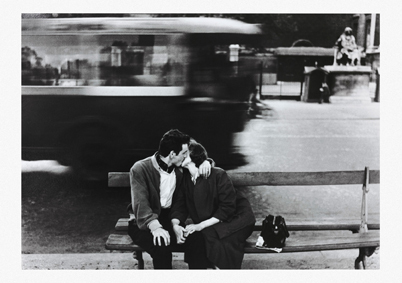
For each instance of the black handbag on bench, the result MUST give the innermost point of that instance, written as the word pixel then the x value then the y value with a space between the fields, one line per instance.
pixel 274 233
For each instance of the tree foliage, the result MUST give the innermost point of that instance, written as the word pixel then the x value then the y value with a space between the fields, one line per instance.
pixel 284 29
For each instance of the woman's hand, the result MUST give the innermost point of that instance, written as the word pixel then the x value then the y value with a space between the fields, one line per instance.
pixel 191 228
pixel 186 161
pixel 200 226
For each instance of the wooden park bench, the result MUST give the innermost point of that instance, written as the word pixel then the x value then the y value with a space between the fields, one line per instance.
pixel 365 235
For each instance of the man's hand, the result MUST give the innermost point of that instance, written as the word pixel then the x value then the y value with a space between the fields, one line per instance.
pixel 161 233
pixel 179 231
pixel 205 169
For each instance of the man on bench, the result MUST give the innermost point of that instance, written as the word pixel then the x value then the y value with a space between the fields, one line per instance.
pixel 153 181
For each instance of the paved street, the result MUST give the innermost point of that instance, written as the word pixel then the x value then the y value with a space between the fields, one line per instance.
pixel 301 136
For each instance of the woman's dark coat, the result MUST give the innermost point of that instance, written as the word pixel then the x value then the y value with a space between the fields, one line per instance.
pixel 216 197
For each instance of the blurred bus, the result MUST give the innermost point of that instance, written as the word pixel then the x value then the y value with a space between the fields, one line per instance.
pixel 98 93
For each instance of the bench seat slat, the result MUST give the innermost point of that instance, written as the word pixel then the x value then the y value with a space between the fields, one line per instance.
pixel 296 225
pixel 122 179
pixel 297 243
pixel 294 243
pixel 302 178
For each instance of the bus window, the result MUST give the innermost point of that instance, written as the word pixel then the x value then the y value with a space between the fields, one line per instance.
pixel 213 74
pixel 103 60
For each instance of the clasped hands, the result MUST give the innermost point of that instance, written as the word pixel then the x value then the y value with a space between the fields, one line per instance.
pixel 180 232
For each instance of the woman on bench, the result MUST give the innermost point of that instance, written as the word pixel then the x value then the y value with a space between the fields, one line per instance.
pixel 223 219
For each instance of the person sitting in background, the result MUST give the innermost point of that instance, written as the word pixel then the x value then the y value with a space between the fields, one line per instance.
pixel 222 218
pixel 347 48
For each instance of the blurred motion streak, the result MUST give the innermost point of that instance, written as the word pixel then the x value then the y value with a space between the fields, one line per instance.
pixel 49 166
pixel 98 93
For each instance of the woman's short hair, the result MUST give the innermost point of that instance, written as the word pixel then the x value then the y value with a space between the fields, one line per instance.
pixel 198 153
pixel 172 140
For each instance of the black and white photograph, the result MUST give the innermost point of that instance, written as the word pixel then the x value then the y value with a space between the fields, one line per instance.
pixel 189 140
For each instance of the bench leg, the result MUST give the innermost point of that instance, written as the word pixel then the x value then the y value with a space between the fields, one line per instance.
pixel 137 255
pixel 361 260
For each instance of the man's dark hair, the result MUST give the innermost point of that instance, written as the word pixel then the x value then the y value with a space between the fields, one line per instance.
pixel 172 140
pixel 198 153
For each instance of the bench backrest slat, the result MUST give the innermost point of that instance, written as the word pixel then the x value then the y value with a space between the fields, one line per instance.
pixel 122 179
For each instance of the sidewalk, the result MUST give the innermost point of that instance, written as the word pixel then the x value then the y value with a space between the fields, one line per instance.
pixel 343 259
